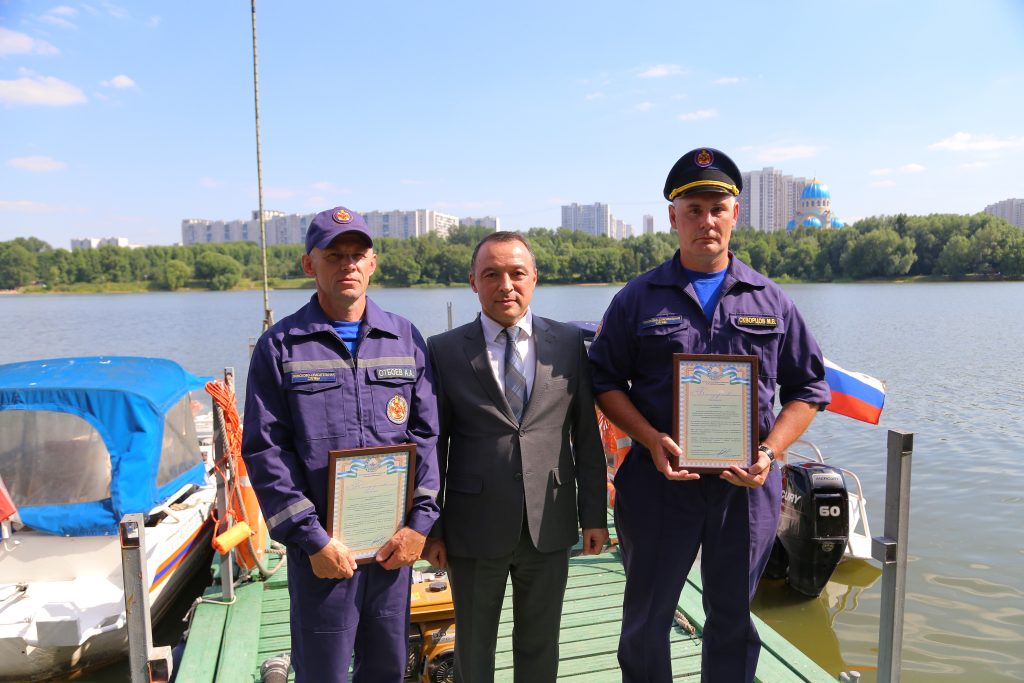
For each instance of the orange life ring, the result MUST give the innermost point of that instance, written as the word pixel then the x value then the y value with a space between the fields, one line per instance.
pixel 616 444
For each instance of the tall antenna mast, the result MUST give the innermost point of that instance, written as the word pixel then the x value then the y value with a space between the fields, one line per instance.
pixel 268 315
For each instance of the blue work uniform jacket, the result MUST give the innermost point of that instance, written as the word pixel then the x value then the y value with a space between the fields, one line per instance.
pixel 307 395
pixel 658 314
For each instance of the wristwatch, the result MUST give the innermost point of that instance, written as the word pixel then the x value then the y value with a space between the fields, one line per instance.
pixel 767 450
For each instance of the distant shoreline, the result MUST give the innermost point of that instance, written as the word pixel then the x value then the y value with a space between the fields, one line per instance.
pixel 307 285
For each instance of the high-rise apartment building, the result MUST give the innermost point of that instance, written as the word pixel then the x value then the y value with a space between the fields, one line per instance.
pixel 648 224
pixel 1010 210
pixel 282 228
pixel 406 224
pixel 593 219
pixel 769 199
pixel 491 222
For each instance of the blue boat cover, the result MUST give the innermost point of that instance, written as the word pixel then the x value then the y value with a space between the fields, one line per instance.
pixel 125 400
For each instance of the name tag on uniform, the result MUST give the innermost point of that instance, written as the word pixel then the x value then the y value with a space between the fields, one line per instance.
pixel 763 321
pixel 313 376
pixel 659 320
pixel 396 373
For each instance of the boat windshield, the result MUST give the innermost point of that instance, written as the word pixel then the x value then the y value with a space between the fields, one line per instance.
pixel 180 450
pixel 52 458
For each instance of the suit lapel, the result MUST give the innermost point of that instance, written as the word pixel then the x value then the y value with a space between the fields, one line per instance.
pixel 476 352
pixel 544 343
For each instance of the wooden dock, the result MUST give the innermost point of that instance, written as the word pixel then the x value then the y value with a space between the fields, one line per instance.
pixel 227 644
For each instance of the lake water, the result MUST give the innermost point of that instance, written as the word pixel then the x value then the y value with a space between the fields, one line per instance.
pixel 945 351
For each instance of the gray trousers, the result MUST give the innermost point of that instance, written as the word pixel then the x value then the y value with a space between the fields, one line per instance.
pixel 478 591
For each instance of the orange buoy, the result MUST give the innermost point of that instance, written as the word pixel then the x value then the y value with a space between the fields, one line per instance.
pixel 224 542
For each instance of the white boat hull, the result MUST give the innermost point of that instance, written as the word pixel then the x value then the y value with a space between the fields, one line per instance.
pixel 62 598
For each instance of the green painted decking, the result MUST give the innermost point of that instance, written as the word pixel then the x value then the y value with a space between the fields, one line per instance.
pixel 227 644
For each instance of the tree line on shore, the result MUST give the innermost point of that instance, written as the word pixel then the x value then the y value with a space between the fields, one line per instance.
pixel 884 247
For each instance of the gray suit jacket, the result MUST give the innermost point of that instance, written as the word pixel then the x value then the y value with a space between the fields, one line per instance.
pixel 492 468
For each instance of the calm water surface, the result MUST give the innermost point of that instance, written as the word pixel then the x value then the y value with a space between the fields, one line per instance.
pixel 947 353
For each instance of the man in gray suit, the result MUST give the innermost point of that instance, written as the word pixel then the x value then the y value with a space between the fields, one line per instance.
pixel 518 435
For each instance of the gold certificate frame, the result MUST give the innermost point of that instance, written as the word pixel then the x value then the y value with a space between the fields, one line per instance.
pixel 369 495
pixel 715 411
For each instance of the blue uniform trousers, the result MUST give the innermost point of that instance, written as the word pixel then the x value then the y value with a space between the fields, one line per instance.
pixel 662 524
pixel 368 613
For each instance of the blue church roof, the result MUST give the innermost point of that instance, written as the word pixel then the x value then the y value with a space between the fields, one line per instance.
pixel 812 222
pixel 791 224
pixel 836 223
pixel 816 190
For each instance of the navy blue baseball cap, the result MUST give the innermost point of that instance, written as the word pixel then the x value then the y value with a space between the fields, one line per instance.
pixel 327 225
pixel 703 170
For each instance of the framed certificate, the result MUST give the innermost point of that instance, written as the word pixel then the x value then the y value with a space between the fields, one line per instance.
pixel 715 411
pixel 368 496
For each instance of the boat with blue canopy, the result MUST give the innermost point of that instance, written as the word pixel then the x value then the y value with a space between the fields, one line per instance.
pixel 83 442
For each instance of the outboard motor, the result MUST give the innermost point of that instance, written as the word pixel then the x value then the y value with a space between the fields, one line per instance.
pixel 814 527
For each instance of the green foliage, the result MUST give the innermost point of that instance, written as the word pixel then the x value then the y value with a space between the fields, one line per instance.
pixel 937 245
pixel 175 274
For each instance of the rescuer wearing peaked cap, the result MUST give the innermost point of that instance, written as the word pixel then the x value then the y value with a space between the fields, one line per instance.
pixel 703 170
pixel 703 300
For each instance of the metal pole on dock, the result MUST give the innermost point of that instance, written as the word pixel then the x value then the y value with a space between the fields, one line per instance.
pixel 147 664
pixel 220 449
pixel 891 551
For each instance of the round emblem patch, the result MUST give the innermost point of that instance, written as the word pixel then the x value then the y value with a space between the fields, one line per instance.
pixel 704 158
pixel 342 216
pixel 398 410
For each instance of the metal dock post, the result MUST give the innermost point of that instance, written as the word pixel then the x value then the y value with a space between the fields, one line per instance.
pixel 891 551
pixel 220 450
pixel 147 664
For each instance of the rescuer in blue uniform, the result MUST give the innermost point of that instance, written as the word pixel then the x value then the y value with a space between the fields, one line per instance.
pixel 340 373
pixel 702 300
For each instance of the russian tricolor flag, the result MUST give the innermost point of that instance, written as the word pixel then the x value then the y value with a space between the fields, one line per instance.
pixel 854 394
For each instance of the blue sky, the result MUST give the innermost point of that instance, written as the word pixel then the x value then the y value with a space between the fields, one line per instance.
pixel 123 119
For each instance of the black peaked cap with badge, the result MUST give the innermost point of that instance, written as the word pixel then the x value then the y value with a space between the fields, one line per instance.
pixel 703 170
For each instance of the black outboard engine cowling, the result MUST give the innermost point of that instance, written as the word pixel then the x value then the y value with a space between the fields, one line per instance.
pixel 814 527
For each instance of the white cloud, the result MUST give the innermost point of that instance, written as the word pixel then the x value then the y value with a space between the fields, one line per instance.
pixel 726 80
pixel 153 22
pixel 60 16
pixel 699 115
pixel 42 90
pixel 884 183
pixel 968 142
pixel 644 106
pixel 36 164
pixel 209 183
pixel 115 11
pixel 911 168
pixel 14 43
pixel 121 82
pixel 593 96
pixel 881 171
pixel 661 71
pixel 24 206
pixel 787 152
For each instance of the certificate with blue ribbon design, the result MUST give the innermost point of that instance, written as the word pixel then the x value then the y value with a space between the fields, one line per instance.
pixel 715 411
pixel 369 495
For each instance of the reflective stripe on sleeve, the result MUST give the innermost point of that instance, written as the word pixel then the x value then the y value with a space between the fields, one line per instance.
pixel 423 491
pixel 290 511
